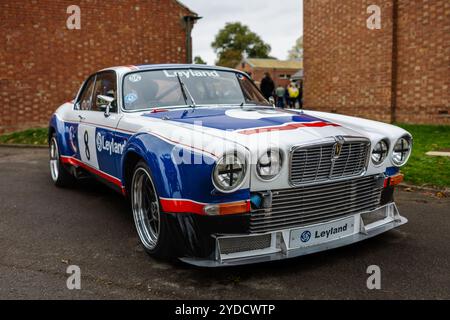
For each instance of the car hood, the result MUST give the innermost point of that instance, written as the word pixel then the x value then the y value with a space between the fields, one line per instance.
pixel 255 126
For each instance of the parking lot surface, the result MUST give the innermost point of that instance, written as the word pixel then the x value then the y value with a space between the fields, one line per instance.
pixel 44 229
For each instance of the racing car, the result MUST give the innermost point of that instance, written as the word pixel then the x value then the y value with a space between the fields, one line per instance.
pixel 216 175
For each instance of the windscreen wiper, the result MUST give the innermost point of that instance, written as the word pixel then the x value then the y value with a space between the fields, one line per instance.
pixel 186 92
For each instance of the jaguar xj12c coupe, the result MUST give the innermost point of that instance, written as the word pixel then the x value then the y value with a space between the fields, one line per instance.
pixel 216 175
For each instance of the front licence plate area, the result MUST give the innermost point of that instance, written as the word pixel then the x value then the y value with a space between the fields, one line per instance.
pixel 320 233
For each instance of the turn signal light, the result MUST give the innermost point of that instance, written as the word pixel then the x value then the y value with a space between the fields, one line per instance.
pixel 227 208
pixel 397 179
pixel 394 180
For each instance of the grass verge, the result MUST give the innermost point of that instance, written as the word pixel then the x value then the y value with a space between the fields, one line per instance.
pixel 426 170
pixel 31 137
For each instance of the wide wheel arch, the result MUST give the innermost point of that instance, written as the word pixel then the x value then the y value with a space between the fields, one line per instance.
pixel 50 133
pixel 130 161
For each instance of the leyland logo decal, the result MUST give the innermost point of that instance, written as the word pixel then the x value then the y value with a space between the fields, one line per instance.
pixel 305 236
pixel 191 73
pixel 109 146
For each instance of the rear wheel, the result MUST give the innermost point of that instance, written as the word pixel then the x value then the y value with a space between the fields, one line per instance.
pixel 151 225
pixel 60 176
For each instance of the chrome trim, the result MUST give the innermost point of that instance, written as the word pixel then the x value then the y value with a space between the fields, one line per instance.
pixel 387 141
pixel 324 142
pixel 282 159
pixel 246 171
pixel 411 140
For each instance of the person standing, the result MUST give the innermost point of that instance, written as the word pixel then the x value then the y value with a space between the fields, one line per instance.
pixel 293 94
pixel 279 93
pixel 287 99
pixel 267 86
pixel 300 95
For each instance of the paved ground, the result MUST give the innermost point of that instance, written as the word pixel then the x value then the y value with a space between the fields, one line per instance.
pixel 43 229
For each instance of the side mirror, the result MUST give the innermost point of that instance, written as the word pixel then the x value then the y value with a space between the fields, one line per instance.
pixel 105 103
pixel 272 101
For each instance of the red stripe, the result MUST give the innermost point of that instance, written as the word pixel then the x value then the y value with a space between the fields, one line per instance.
pixel 75 162
pixel 179 206
pixel 132 67
pixel 186 206
pixel 290 126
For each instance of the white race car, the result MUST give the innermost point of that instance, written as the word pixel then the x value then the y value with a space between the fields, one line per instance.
pixel 216 175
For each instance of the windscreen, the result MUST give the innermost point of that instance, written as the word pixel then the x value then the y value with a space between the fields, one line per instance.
pixel 180 87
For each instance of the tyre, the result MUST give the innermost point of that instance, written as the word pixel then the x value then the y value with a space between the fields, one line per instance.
pixel 59 174
pixel 151 225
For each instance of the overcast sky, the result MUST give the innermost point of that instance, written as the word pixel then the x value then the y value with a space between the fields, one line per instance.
pixel 277 22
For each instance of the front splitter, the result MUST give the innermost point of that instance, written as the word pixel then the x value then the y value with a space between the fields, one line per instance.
pixel 292 253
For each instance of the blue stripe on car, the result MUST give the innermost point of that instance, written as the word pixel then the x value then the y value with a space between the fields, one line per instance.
pixel 217 119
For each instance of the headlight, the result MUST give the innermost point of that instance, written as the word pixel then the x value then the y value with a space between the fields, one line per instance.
pixel 380 152
pixel 229 173
pixel 402 151
pixel 269 164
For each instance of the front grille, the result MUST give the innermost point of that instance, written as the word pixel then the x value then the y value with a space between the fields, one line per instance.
pixel 241 244
pixel 316 163
pixel 317 203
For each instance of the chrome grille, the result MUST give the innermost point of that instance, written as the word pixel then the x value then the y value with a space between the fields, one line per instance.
pixel 316 163
pixel 318 203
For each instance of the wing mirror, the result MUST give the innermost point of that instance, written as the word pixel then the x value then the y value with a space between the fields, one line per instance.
pixel 105 103
pixel 272 101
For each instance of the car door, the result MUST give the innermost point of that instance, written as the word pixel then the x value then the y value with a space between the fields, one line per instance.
pixel 96 130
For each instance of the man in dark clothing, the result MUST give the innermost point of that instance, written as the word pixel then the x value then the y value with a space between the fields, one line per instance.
pixel 267 86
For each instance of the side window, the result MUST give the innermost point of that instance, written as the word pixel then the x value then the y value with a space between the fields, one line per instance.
pixel 105 85
pixel 84 100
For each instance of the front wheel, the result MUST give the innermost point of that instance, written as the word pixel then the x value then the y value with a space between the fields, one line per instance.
pixel 151 225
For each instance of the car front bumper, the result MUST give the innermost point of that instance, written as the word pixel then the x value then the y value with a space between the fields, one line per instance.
pixel 279 244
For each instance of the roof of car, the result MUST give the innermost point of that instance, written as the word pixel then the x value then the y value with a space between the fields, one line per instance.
pixel 178 65
pixel 168 66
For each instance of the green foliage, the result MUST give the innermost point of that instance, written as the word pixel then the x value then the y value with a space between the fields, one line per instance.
pixel 30 136
pixel 199 60
pixel 428 170
pixel 236 39
pixel 296 53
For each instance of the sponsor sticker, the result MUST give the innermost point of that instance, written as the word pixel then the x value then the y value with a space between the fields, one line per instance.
pixel 110 146
pixel 135 77
pixel 73 138
pixel 130 98
pixel 320 233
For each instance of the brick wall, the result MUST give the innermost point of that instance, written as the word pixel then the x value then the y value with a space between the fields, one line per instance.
pixel 348 68
pixel 42 63
pixel 423 76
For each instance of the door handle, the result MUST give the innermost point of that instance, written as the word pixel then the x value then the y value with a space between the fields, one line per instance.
pixel 81 117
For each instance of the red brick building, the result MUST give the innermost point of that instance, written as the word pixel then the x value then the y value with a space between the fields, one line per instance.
pixel 42 62
pixel 400 72
pixel 280 71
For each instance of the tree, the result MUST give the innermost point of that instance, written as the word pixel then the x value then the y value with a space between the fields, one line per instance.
pixel 235 40
pixel 199 60
pixel 296 53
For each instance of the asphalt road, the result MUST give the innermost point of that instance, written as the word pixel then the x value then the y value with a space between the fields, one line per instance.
pixel 44 229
